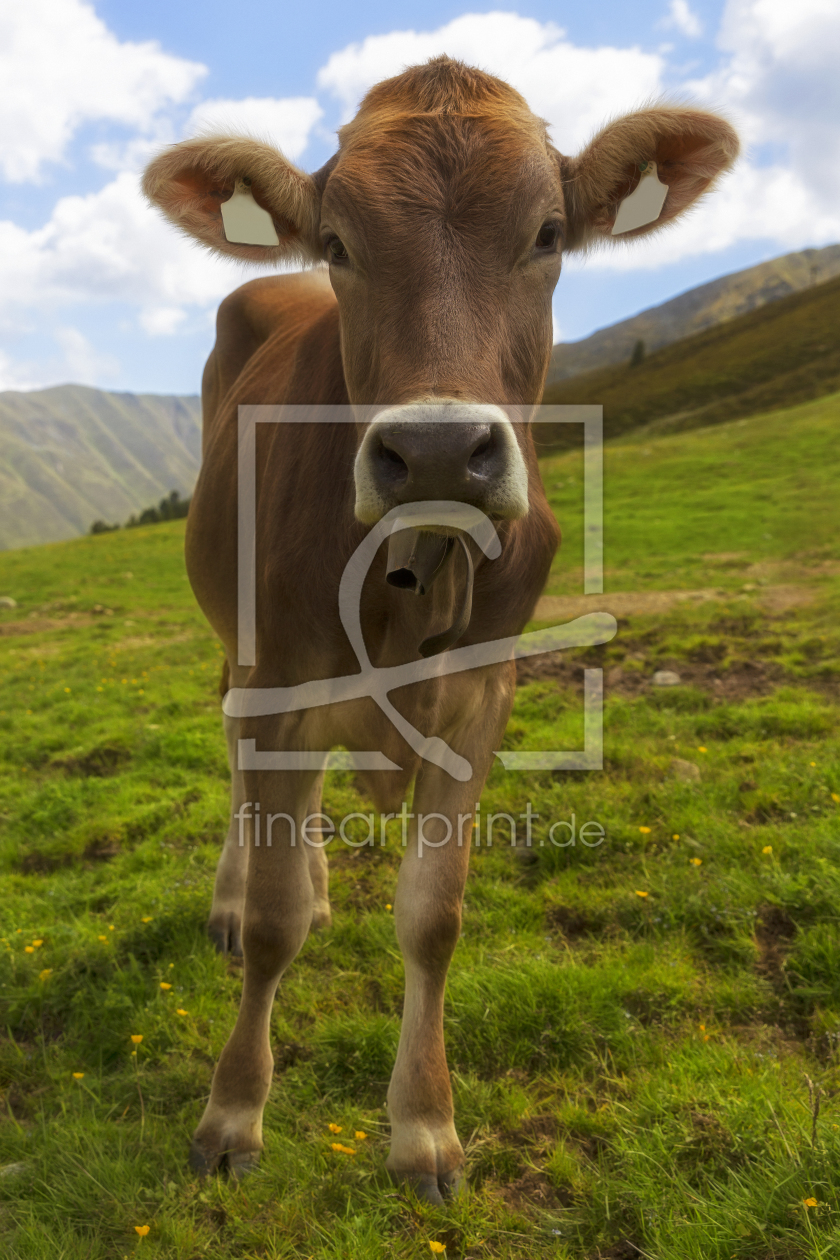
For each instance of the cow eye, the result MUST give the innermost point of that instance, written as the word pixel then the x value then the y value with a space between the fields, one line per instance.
pixel 336 249
pixel 547 236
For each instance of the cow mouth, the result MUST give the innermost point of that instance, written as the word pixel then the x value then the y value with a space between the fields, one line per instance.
pixel 416 557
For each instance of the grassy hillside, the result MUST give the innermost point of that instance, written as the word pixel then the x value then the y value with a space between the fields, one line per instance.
pixel 786 353
pixel 631 1028
pixel 700 308
pixel 72 455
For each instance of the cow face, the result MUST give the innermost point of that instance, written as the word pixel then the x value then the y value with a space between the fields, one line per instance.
pixel 442 219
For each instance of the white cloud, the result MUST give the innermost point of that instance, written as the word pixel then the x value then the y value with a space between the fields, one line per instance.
pixel 109 246
pixel 574 89
pixel 81 360
pixel 61 67
pixel 74 359
pixel 681 18
pixel 285 122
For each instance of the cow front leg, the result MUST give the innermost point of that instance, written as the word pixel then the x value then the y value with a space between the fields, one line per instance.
pixel 277 916
pixel 425 1149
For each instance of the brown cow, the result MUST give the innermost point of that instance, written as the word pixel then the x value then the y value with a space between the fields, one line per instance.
pixel 442 218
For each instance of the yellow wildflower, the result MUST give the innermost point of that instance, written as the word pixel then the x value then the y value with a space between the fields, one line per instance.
pixel 142 1230
pixel 675 836
pixel 137 1038
pixel 181 1011
pixel 437 1247
pixel 810 1202
pixel 702 748
pixel 78 1076
pixel 640 894
pixel 359 1135
pixel 103 938
pixel 388 905
pixel 165 986
pixel 836 798
pixel 696 861
pixel 334 1128
pixel 29 949
pixel 37 944
pixel 342 1150
pixel 645 831
pixel 768 848
pixel 46 973
pixel 147 919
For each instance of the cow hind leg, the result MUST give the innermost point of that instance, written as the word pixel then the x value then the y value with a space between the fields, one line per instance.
pixel 319 870
pixel 224 926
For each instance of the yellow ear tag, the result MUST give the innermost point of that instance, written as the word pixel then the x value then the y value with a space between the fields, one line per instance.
pixel 244 221
pixel 644 205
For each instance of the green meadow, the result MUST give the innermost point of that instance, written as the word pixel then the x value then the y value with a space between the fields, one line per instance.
pixel 644 1035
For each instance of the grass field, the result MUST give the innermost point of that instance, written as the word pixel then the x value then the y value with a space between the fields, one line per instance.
pixel 637 1032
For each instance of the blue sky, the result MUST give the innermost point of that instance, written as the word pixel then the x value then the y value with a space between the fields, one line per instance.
pixel 95 288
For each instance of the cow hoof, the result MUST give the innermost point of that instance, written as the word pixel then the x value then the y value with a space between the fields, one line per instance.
pixel 237 1164
pixel 434 1188
pixel 225 931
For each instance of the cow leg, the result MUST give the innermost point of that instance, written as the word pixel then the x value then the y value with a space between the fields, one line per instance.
pixel 225 923
pixel 319 870
pixel 425 1149
pixel 278 912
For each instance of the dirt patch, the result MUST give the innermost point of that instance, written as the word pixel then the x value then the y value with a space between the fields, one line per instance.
pixel 637 603
pixel 572 923
pixel 744 682
pixel 533 1190
pixel 288 1053
pixel 535 1131
pixel 39 625
pixel 774 930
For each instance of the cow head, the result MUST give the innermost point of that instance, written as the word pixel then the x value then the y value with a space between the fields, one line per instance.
pixel 443 218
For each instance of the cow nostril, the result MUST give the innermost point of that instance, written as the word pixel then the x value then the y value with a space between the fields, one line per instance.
pixel 393 465
pixel 478 460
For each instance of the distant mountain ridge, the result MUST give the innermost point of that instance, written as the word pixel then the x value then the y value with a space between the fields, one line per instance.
pixel 696 310
pixel 784 353
pixel 72 455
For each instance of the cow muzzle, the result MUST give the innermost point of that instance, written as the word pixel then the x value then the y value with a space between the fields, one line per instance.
pixel 465 452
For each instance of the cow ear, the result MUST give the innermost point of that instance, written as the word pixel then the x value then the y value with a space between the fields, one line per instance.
pixel 190 181
pixel 691 149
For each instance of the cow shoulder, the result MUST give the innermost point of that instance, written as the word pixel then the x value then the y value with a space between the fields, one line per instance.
pixel 276 309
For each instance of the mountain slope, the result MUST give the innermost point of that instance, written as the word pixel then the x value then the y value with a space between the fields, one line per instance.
pixel 70 455
pixel 698 309
pixel 788 352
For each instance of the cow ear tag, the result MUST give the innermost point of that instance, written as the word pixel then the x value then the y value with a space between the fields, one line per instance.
pixel 644 205
pixel 244 221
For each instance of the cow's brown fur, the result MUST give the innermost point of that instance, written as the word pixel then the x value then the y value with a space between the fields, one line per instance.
pixel 439 189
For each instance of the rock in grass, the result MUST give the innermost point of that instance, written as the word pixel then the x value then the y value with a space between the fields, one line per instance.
pixel 685 770
pixel 6 601
pixel 666 678
pixel 13 1170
